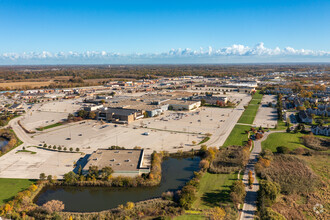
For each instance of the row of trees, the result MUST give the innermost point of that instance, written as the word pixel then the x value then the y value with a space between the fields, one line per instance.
pixel 5 117
pixel 60 148
pixel 94 173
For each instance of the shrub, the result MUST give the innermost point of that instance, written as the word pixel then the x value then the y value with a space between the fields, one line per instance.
pixel 42 176
pixel 230 159
pixel 251 178
pixel 168 195
pixel 291 174
pixel 188 196
pixel 53 206
pixel 282 150
pixel 288 130
pixel 70 177
pixel 315 143
pixel 259 135
pixel 268 193
pixel 217 213
pixel 238 193
pixel 204 164
pixel 270 214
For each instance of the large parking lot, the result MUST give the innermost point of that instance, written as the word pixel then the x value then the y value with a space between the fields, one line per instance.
pixel 49 113
pixel 266 116
pixel 171 132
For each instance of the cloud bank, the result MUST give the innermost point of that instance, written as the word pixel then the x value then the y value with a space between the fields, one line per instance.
pixel 233 54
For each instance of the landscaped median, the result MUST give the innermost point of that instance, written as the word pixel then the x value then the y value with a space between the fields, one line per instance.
pixel 251 110
pixel 49 126
pixel 238 136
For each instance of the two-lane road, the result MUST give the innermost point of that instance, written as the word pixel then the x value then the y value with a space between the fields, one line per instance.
pixel 250 202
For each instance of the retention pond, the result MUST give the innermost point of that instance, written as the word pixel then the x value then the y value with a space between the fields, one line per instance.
pixel 3 142
pixel 175 173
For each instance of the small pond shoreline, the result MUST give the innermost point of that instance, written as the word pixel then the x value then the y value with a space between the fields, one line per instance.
pixel 176 171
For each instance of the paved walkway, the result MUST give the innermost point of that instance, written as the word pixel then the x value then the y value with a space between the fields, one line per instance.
pixel 250 203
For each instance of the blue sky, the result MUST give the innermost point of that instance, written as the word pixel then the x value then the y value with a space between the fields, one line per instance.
pixel 156 27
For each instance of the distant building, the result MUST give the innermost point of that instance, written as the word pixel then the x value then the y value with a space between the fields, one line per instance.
pixel 118 115
pixel 92 107
pixel 305 117
pixel 321 130
pixel 127 162
pixel 211 99
pixel 183 105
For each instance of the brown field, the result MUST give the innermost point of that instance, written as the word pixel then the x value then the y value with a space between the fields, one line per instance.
pixel 27 84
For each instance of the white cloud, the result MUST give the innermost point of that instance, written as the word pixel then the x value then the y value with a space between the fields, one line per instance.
pixel 236 51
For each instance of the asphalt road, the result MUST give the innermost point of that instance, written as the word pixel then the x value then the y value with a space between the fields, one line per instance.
pixel 250 203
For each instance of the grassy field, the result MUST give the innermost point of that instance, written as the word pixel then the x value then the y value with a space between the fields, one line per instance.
pixel 280 125
pixel 237 136
pixel 10 187
pixel 250 112
pixel 49 126
pixel 289 140
pixel 214 190
pixel 189 217
pixel 254 102
pixel 319 164
pixel 257 96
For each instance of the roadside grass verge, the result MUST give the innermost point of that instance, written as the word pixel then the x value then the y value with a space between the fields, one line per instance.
pixel 189 217
pixel 204 140
pixel 257 95
pixel 19 142
pixel 214 190
pixel 49 126
pixel 249 114
pixel 289 140
pixel 10 187
pixel 255 102
pixel 237 136
pixel 26 151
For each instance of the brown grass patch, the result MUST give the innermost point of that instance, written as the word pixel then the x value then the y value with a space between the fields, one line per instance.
pixel 23 85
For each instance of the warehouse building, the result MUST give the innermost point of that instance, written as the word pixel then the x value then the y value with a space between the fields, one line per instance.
pixel 128 162
pixel 118 115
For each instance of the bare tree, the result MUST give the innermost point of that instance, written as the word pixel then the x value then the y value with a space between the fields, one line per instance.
pixel 53 206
